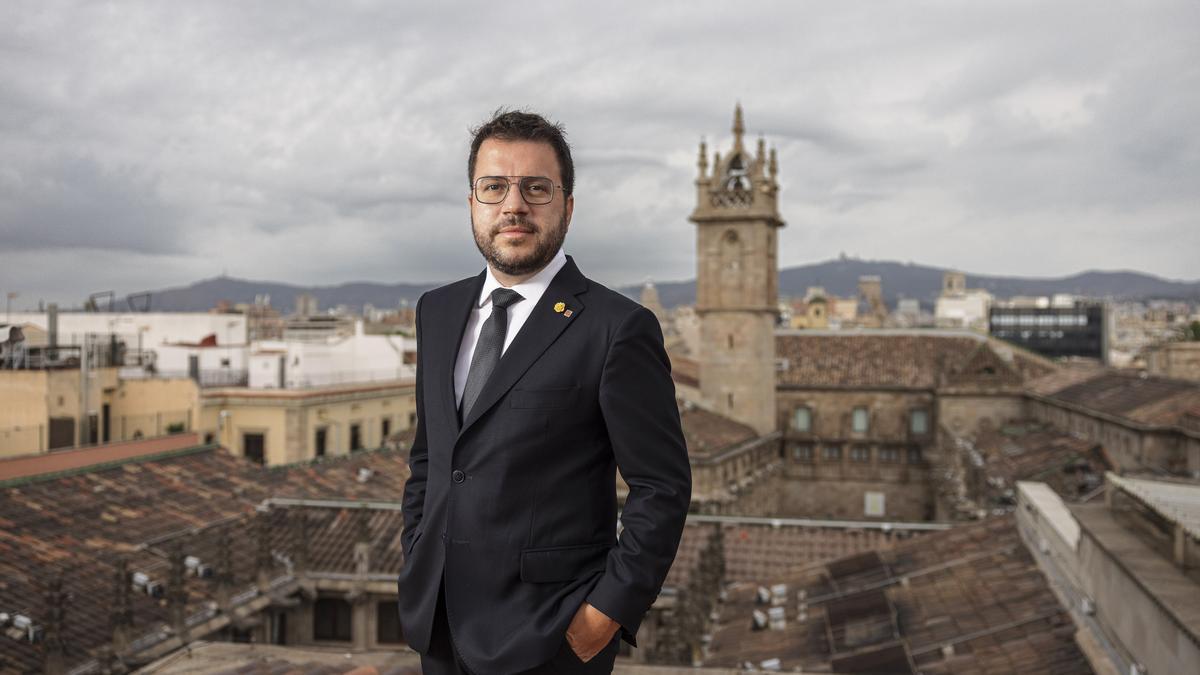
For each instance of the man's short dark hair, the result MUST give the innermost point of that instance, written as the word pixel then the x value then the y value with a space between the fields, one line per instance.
pixel 514 125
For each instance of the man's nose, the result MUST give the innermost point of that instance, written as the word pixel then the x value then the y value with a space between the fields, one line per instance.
pixel 513 201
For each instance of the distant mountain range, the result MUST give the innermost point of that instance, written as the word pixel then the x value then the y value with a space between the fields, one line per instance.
pixel 905 280
pixel 839 277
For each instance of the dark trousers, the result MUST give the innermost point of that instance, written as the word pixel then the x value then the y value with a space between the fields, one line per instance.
pixel 442 659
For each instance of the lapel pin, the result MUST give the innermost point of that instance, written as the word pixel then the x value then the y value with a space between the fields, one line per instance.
pixel 560 306
pixel 567 313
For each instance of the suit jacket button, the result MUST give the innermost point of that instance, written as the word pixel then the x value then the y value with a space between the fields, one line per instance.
pixel 458 476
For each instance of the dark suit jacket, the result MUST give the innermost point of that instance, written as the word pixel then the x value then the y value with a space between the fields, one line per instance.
pixel 517 507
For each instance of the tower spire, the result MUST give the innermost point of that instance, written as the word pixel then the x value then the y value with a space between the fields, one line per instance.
pixel 703 163
pixel 739 126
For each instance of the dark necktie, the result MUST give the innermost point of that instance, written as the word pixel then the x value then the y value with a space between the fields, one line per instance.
pixel 487 350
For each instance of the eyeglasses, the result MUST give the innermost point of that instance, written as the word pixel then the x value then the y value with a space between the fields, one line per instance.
pixel 534 189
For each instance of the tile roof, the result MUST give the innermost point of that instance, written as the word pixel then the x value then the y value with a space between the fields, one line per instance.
pixel 911 360
pixel 76 526
pixel 67 460
pixel 406 383
pixel 755 550
pixel 1144 399
pixel 1069 374
pixel 708 433
pixel 685 369
pixel 1029 450
pixel 966 600
pixel 259 659
pixel 283 666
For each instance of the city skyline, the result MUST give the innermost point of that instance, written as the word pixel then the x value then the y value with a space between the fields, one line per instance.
pixel 148 148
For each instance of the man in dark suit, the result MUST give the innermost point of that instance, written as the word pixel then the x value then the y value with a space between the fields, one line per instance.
pixel 534 385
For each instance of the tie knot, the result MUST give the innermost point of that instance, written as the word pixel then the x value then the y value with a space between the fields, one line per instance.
pixel 503 297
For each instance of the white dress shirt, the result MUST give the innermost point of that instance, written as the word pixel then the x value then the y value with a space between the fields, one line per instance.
pixel 531 291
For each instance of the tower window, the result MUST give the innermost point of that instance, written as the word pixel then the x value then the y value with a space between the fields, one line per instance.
pixel 731 340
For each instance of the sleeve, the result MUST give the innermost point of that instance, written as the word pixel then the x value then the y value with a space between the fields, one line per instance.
pixel 413 502
pixel 637 399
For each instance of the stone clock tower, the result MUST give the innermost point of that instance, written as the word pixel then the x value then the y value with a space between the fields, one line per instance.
pixel 737 279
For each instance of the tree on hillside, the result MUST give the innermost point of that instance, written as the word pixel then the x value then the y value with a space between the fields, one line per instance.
pixel 1190 332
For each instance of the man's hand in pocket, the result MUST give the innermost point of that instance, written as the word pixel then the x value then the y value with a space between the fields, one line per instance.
pixel 590 631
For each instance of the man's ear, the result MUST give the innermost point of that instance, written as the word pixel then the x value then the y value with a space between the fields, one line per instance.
pixel 568 209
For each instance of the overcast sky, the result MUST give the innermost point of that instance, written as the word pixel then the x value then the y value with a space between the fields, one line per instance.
pixel 147 145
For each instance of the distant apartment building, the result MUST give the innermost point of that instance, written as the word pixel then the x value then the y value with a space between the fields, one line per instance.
pixel 358 357
pixel 284 426
pixel 1077 330
pixel 306 305
pixel 1179 360
pixel 137 330
pixel 285 401
pixel 961 307
pixel 149 374
pixel 811 313
pixel 77 396
pixel 908 314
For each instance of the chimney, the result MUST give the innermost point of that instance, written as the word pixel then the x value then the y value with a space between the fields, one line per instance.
pixel 55 647
pixel 177 593
pixel 121 613
pixel 52 330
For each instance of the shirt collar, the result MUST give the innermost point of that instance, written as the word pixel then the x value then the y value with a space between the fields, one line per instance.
pixel 533 287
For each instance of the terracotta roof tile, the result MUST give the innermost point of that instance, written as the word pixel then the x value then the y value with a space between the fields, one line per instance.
pixel 67 460
pixel 1149 400
pixel 78 525
pixel 707 433
pixel 1030 450
pixel 912 361
pixel 968 599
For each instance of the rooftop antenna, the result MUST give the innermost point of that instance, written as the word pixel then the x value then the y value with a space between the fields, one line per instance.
pixel 93 306
pixel 138 302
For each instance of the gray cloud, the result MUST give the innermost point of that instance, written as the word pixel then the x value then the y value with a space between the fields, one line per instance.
pixel 73 202
pixel 310 143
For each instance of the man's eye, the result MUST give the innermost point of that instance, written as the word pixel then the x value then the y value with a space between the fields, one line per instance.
pixel 491 186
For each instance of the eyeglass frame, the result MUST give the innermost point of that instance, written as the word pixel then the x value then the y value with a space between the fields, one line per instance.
pixel 509 183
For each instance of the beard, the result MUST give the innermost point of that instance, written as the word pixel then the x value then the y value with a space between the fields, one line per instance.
pixel 547 241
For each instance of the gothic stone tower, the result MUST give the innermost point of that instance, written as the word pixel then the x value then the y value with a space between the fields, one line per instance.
pixel 737 280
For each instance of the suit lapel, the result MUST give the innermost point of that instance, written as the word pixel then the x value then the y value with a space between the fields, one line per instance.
pixel 447 334
pixel 540 330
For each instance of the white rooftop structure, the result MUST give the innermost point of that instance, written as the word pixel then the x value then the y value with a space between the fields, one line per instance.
pixel 1051 507
pixel 1177 502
